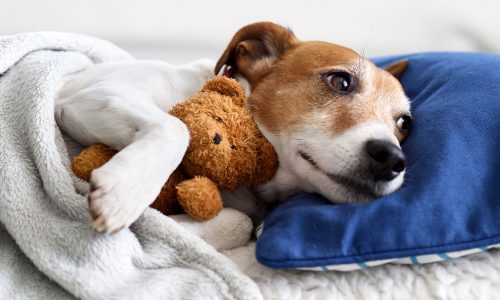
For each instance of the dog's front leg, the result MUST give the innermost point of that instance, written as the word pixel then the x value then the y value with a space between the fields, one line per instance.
pixel 131 180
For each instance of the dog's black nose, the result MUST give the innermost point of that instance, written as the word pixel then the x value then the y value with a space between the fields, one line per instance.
pixel 386 160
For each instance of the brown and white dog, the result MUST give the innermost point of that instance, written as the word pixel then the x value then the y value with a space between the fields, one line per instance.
pixel 334 118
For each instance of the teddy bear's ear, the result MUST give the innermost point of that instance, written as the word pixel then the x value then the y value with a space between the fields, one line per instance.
pixel 227 87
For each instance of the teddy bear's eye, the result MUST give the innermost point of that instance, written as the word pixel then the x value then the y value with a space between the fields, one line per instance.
pixel 233 147
pixel 217 139
pixel 218 119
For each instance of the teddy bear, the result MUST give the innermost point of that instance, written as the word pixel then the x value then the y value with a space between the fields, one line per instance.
pixel 226 151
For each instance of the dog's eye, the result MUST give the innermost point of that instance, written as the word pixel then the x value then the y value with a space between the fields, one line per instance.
pixel 404 123
pixel 340 82
pixel 218 119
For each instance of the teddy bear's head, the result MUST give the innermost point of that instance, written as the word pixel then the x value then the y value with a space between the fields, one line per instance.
pixel 226 145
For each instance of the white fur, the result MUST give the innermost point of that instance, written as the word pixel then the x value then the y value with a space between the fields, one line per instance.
pixel 342 154
pixel 228 230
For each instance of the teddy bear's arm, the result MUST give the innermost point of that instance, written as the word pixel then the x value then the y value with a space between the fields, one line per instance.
pixel 199 197
pixel 166 202
pixel 91 158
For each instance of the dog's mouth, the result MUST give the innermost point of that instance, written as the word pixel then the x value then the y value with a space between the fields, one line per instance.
pixel 349 183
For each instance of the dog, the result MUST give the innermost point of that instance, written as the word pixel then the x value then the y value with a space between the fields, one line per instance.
pixel 335 119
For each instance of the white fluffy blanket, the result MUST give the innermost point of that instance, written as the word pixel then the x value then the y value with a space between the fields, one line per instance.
pixel 47 248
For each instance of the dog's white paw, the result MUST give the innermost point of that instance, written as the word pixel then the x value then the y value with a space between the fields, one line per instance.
pixel 229 229
pixel 115 200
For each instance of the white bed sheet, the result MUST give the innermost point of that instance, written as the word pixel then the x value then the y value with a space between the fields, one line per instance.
pixel 472 277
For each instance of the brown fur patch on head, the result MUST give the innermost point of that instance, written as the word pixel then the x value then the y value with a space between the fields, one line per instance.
pixel 285 76
pixel 295 93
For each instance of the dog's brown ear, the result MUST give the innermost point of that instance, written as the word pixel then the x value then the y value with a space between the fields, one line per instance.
pixel 254 48
pixel 398 68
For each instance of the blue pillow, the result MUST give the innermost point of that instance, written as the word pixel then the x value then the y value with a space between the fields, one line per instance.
pixel 450 202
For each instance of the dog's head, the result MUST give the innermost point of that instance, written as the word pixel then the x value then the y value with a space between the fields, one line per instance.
pixel 335 119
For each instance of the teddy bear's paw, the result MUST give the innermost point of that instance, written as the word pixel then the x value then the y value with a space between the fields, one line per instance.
pixel 115 201
pixel 199 197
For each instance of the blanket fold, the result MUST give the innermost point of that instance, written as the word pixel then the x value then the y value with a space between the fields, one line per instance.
pixel 47 247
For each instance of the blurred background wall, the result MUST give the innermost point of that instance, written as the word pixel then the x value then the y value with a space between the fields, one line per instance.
pixel 180 31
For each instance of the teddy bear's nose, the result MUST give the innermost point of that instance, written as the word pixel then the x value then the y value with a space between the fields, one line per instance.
pixel 217 139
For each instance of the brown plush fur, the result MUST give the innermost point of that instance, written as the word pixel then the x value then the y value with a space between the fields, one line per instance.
pixel 91 158
pixel 226 151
